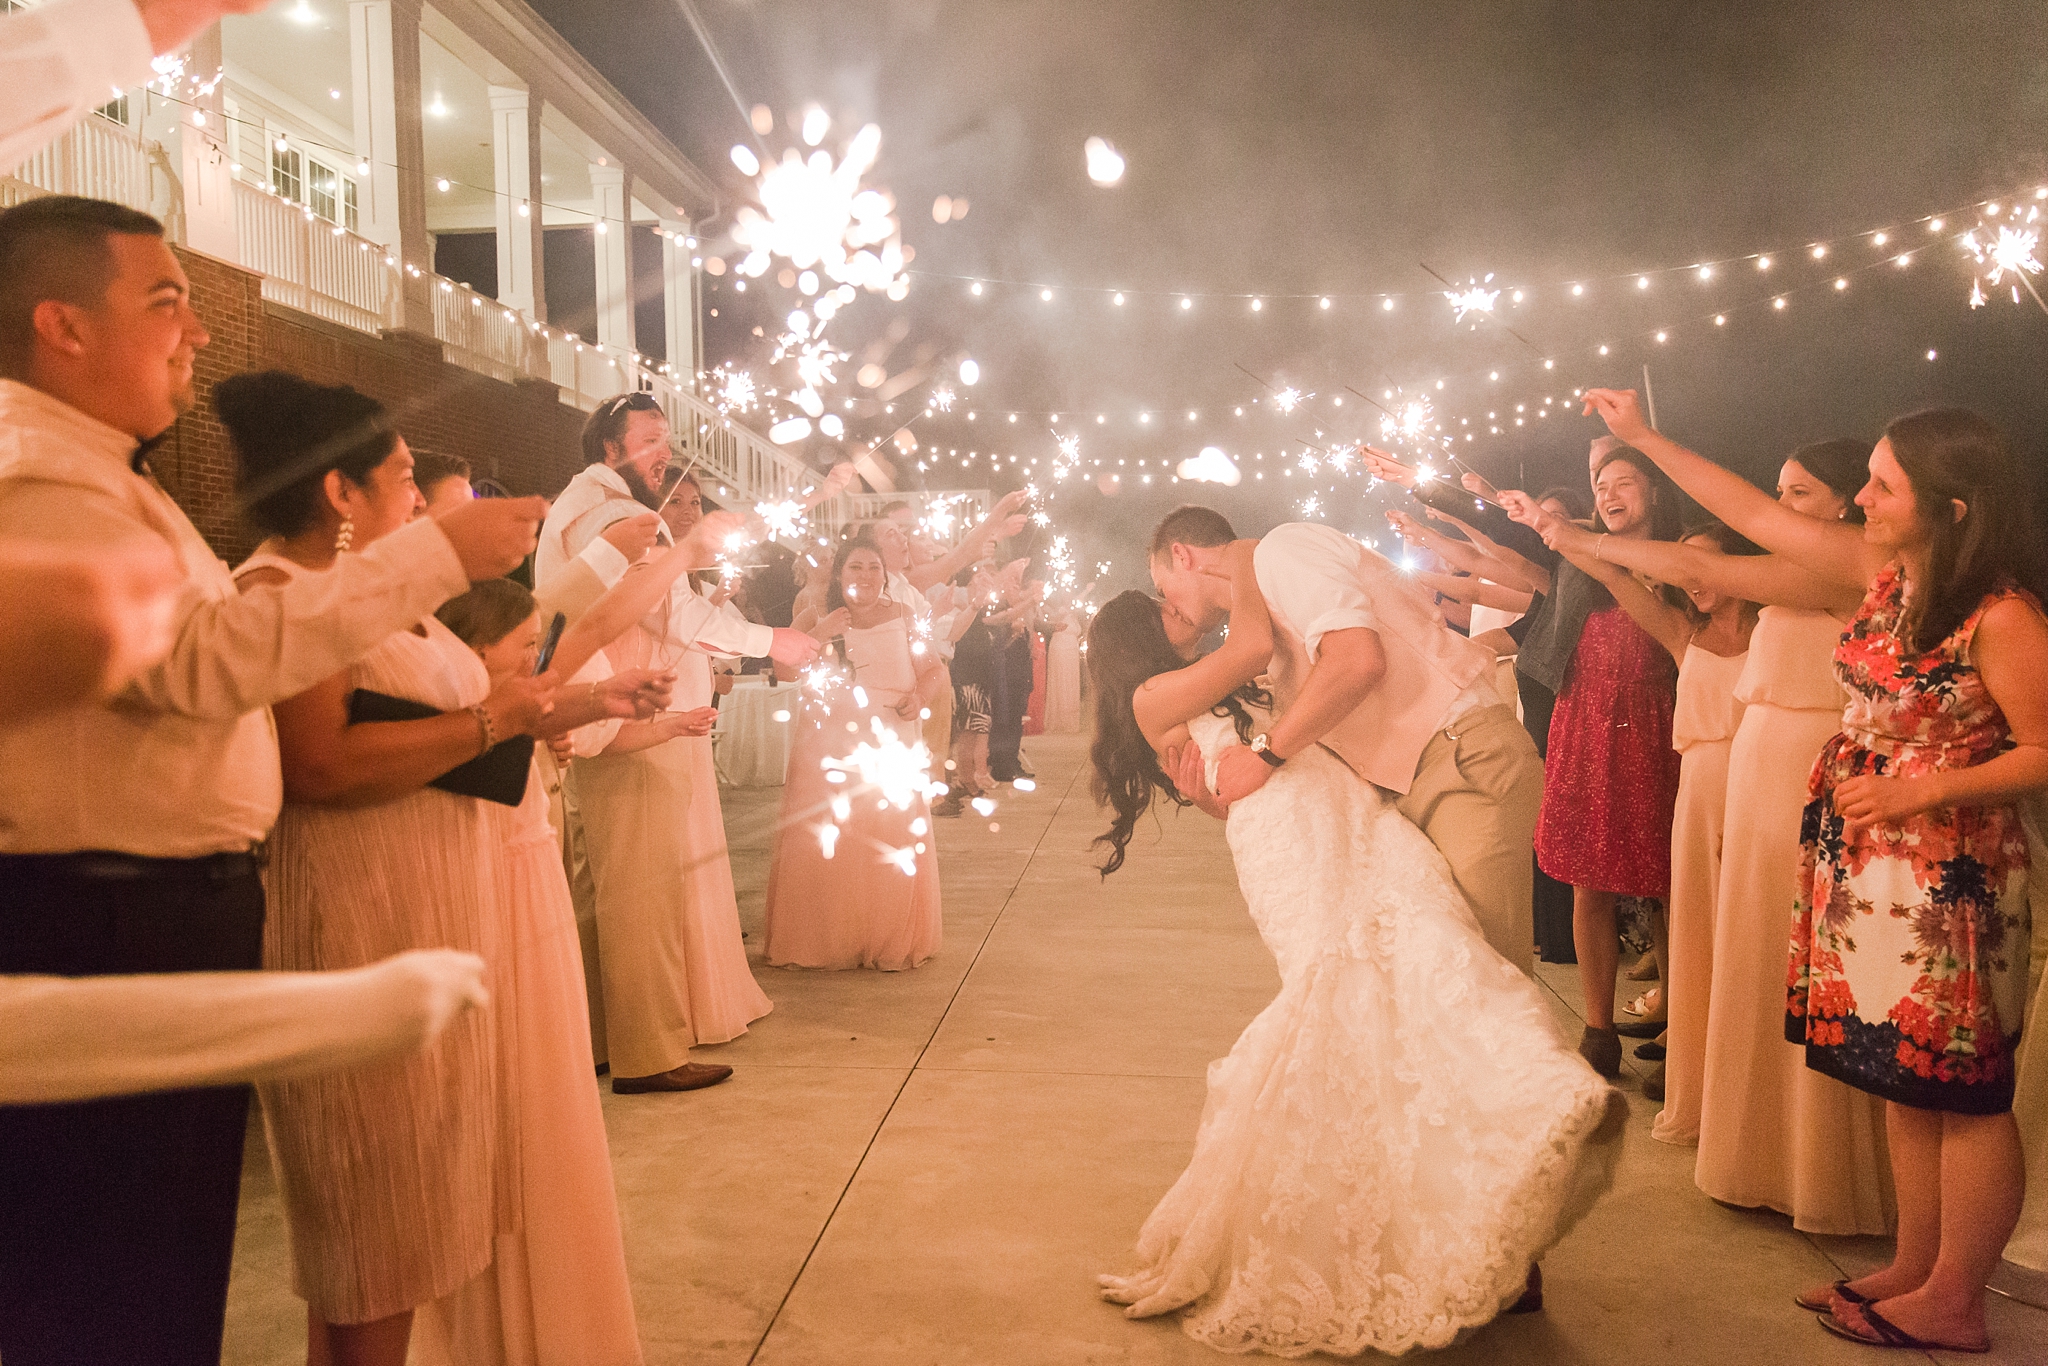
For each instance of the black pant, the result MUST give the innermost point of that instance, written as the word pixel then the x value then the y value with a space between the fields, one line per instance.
pixel 117 1217
pixel 1012 699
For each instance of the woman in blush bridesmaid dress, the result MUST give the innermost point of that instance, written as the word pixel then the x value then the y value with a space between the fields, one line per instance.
pixel 855 878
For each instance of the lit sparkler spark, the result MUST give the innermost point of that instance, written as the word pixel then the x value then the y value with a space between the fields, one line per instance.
pixel 1070 447
pixel 1288 399
pixel 1312 506
pixel 784 519
pixel 814 213
pixel 736 390
pixel 1340 458
pixel 905 859
pixel 1410 422
pixel 1041 518
pixel 2011 253
pixel 939 520
pixel 1474 298
pixel 1309 464
pixel 896 772
pixel 942 399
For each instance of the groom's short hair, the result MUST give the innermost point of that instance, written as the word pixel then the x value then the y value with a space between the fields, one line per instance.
pixel 1190 524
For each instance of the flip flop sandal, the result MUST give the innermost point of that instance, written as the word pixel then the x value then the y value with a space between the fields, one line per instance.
pixel 1642 1004
pixel 1885 1333
pixel 1827 1303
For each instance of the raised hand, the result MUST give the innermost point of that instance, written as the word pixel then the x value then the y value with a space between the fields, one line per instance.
pixel 1521 507
pixel 1382 465
pixel 492 536
pixel 521 704
pixel 793 648
pixel 636 693
pixel 833 623
pixel 634 536
pixel 694 723
pixel 1621 411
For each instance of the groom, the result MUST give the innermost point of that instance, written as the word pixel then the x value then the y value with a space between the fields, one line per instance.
pixel 1364 665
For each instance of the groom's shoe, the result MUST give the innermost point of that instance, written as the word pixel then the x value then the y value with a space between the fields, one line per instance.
pixel 1602 1048
pixel 691 1076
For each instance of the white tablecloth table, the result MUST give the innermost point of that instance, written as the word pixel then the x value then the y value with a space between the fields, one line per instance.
pixel 749 746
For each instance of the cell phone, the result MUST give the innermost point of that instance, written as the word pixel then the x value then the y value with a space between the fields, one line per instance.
pixel 549 642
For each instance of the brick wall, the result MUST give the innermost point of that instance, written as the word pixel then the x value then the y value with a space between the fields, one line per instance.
pixel 519 434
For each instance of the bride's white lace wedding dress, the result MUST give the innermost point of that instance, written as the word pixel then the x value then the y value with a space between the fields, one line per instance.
pixel 1393 1140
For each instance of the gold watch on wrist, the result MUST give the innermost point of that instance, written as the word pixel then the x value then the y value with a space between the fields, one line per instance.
pixel 1262 745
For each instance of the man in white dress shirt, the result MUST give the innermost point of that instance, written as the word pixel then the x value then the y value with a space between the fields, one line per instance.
pixel 650 819
pixel 1364 665
pixel 130 830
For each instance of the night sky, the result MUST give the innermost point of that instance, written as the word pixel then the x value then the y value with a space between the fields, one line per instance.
pixel 1281 150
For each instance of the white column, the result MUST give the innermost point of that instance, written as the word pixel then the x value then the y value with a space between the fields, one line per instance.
pixel 384 61
pixel 203 161
pixel 679 302
pixel 515 152
pixel 612 189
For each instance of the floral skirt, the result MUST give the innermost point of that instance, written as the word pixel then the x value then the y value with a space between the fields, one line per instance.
pixel 1908 970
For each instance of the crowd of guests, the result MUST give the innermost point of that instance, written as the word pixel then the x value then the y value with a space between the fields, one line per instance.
pixel 1808 730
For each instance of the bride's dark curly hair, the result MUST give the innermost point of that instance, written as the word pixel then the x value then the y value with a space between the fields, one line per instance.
pixel 1127 644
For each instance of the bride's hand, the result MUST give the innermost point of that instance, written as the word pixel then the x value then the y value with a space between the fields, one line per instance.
pixel 1190 776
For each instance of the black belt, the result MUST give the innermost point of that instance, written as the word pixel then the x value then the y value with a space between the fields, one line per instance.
pixel 105 865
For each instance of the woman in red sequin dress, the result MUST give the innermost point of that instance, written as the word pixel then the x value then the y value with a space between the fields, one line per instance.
pixel 1910 931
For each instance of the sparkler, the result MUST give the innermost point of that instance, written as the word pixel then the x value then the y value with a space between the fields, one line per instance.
pixel 942 399
pixel 814 213
pixel 1288 399
pixel 2011 253
pixel 1311 506
pixel 1474 298
pixel 736 391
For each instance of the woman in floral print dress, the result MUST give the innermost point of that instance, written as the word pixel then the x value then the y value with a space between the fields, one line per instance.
pixel 1910 933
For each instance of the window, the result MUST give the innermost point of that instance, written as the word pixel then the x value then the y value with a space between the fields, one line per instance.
pixel 284 173
pixel 115 111
pixel 320 190
pixel 349 216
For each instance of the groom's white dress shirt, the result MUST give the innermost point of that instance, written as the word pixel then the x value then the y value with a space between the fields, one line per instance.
pixel 1316 580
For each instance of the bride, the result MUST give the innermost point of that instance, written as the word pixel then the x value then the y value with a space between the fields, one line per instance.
pixel 1395 1139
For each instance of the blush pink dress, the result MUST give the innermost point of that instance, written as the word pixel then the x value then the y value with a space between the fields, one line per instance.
pixel 557 1293
pixel 855 909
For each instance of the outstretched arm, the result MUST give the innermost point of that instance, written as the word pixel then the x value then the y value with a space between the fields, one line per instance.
pixel 1834 551
pixel 1173 699
pixel 1007 519
pixel 1769 579
pixel 1477 591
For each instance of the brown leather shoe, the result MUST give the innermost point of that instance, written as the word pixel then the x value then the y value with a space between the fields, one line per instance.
pixel 691 1076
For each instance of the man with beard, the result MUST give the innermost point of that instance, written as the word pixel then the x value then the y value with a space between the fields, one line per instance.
pixel 671 969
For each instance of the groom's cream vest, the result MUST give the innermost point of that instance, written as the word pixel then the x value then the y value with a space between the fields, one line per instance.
pixel 1428 665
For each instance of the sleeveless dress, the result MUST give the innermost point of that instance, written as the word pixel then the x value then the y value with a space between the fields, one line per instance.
pixel 397 1179
pixel 557 1293
pixel 1063 678
pixel 1909 957
pixel 1610 777
pixel 1703 726
pixel 1772 1133
pixel 1401 1133
pixel 853 908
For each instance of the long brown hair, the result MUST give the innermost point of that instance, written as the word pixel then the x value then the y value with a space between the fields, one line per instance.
pixel 1952 453
pixel 1127 645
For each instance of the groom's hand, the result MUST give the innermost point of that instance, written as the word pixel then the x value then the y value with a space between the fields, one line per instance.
pixel 1239 773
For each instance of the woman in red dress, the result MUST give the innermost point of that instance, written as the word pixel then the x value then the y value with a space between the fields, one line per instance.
pixel 1610 777
pixel 1909 931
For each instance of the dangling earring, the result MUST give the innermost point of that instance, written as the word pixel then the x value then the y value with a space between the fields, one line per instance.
pixel 345 535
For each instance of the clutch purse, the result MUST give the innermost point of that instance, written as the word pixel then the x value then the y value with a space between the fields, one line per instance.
pixel 497 775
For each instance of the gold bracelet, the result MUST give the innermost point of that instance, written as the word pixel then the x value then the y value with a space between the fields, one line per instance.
pixel 483 724
pixel 1600 547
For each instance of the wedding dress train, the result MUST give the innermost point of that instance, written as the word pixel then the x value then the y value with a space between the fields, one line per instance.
pixel 1401 1133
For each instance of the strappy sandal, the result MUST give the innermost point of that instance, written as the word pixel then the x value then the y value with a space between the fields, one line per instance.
pixel 1827 1298
pixel 1885 1333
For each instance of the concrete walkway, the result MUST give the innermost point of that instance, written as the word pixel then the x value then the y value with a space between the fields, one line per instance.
pixel 931 1167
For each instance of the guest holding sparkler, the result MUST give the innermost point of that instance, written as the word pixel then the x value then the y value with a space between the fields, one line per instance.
pixel 855 878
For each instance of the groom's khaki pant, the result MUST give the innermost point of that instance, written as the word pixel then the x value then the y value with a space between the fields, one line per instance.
pixel 1476 794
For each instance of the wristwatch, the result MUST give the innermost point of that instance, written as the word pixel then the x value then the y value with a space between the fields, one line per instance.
pixel 1262 745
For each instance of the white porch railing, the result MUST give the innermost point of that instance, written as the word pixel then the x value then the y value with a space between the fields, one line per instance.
pixel 310 264
pixel 97 159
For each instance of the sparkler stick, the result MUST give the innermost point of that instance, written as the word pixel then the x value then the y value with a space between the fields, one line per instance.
pixel 1649 396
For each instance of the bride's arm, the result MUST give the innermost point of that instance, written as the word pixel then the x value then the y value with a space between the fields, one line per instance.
pixel 1170 699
